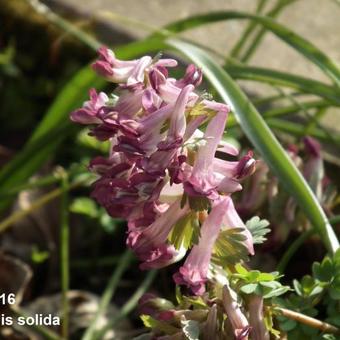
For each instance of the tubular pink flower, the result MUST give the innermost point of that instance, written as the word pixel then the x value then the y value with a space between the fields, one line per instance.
pixel 194 272
pixel 193 75
pixel 118 71
pixel 130 100
pixel 254 194
pixel 312 146
pixel 231 219
pixel 151 101
pixel 150 243
pixel 158 231
pixel 88 113
pixel 168 148
pixel 167 88
pixel 202 182
pixel 237 319
pixel 153 130
pixel 177 122
pixel 231 172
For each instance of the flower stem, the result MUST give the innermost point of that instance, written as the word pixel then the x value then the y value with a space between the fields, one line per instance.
pixel 293 248
pixel 247 32
pixel 259 34
pixel 64 24
pixel 108 294
pixel 64 257
pixel 309 321
pixel 298 243
pixel 7 222
pixel 37 183
pixel 129 305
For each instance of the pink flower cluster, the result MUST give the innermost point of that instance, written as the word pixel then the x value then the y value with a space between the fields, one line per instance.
pixel 161 167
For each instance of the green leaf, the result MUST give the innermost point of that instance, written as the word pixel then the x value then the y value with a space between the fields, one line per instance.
pixel 298 288
pixel 268 320
pixel 270 284
pixel 241 270
pixel 288 325
pixel 263 139
pixel 185 232
pixel 165 327
pixel 84 206
pixel 336 259
pixel 335 288
pixel 276 292
pixel 253 276
pixel 278 78
pixel 229 247
pixel 39 256
pixel 299 130
pixel 323 271
pixel 300 44
pixel 108 223
pixel 267 276
pixel 179 296
pixel 191 329
pixel 334 293
pixel 249 288
pixel 84 139
pixel 258 229
pixel 195 301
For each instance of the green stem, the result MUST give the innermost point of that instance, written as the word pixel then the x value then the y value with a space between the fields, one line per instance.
pixel 36 183
pixel 247 32
pixel 108 294
pixel 7 222
pixel 287 110
pixel 292 249
pixel 317 116
pixel 43 181
pixel 297 129
pixel 259 36
pixel 129 305
pixel 64 24
pixel 270 99
pixel 64 257
pixel 307 320
pixel 304 109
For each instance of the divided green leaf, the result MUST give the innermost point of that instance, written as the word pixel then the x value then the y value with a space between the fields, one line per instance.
pixel 185 232
pixel 258 229
pixel 229 247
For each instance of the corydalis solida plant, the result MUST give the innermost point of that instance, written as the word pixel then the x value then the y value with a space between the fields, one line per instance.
pixel 162 169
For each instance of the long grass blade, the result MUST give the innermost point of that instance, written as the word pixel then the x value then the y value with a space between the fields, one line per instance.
pixel 263 139
pixel 278 78
pixel 235 51
pixel 108 294
pixel 253 45
pixel 299 130
pixel 300 44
